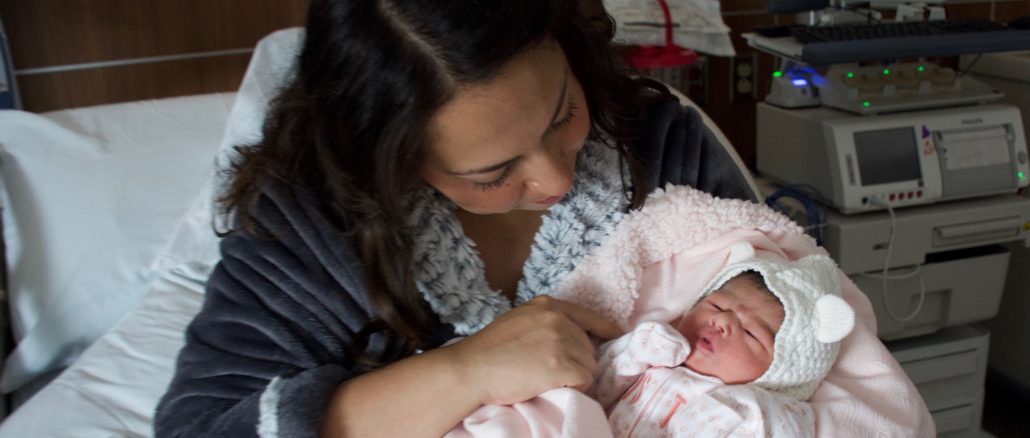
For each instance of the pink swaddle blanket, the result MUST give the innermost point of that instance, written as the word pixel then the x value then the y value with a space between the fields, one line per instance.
pixel 653 267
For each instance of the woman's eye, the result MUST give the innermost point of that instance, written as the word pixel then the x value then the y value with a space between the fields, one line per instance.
pixel 497 182
pixel 569 115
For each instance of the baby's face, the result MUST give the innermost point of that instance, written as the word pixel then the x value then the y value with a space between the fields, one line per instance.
pixel 732 332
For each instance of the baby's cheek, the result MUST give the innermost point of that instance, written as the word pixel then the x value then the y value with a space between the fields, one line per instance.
pixel 754 369
pixel 699 364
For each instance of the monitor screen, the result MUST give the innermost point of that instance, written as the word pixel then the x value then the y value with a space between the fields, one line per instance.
pixel 887 156
pixel 789 6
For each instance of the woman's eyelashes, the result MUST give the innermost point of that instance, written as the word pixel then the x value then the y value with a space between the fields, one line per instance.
pixel 569 115
pixel 496 182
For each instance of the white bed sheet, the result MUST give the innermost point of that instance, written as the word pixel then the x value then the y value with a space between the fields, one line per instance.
pixel 101 397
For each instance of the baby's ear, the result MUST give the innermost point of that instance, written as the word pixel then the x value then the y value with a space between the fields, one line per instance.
pixel 834 319
pixel 739 252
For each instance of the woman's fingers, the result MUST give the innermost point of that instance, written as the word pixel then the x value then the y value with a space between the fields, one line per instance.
pixel 583 357
pixel 580 379
pixel 541 345
pixel 589 320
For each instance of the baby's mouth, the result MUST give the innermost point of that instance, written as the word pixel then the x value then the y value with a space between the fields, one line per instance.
pixel 705 344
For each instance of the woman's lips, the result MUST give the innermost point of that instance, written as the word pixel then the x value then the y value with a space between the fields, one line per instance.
pixel 550 201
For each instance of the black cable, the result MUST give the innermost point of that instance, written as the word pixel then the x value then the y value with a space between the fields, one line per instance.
pixel 969 67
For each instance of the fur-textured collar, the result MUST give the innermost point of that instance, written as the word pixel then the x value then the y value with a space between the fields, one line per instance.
pixel 449 271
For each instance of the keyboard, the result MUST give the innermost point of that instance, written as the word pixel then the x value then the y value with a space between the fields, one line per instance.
pixel 902 29
pixel 886 41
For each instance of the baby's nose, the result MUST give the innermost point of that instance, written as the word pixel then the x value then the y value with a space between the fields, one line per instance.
pixel 724 323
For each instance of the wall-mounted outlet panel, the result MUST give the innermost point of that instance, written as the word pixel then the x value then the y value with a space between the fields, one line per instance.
pixel 743 78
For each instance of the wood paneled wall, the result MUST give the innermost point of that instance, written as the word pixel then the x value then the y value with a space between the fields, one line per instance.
pixel 56 34
pixel 200 46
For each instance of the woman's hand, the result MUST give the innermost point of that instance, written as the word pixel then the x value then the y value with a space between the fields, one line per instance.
pixel 540 345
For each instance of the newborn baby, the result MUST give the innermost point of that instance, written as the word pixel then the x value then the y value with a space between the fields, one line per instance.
pixel 740 362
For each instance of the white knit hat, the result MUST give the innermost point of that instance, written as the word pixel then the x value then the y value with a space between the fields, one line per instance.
pixel 815 317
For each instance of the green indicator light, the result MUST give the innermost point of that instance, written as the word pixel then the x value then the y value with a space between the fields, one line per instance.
pixel 777 74
pixel 865 104
pixel 886 71
pixel 851 75
pixel 921 68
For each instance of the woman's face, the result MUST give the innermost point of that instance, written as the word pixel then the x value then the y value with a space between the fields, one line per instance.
pixel 510 143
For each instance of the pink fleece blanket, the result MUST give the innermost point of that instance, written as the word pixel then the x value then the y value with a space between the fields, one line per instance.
pixel 655 264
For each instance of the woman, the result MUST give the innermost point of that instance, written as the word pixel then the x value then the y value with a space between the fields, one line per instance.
pixel 431 170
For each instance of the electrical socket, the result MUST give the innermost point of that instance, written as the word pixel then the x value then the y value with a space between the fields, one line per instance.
pixel 743 78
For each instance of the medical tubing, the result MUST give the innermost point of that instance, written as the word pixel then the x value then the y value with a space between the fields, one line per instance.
pixel 815 216
pixel 886 266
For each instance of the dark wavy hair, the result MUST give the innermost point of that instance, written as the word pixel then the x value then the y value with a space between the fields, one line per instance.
pixel 351 125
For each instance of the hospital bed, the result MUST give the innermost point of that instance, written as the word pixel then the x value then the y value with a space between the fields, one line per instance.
pixel 108 226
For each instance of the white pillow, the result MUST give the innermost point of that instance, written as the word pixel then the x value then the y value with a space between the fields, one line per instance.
pixel 112 390
pixel 91 195
pixel 194 243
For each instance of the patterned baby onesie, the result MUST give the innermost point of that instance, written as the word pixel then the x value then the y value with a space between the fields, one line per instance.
pixel 647 392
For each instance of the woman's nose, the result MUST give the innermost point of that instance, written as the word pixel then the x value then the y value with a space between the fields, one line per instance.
pixel 551 174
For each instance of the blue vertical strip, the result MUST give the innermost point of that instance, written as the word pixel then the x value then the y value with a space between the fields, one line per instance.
pixel 9 94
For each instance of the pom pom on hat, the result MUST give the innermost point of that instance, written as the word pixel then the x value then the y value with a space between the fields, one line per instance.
pixel 815 317
pixel 835 319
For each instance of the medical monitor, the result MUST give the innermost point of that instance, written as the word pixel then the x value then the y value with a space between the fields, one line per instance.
pixel 865 163
pixel 887 156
